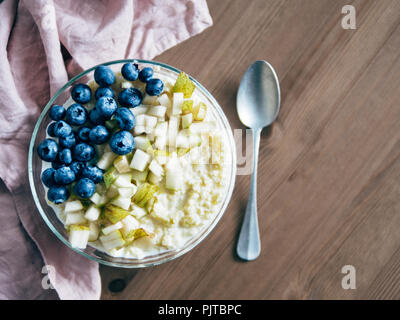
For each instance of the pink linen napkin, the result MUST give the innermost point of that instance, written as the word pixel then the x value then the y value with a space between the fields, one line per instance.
pixel 32 68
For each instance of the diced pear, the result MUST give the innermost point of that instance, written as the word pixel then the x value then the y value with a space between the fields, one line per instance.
pixel 142 143
pixel 112 192
pixel 106 160
pixel 194 140
pixel 161 142
pixel 155 168
pixel 137 211
pixel 203 127
pixel 182 151
pixel 145 192
pixel 182 140
pixel 92 213
pixel 79 236
pixel 187 106
pixel 112 240
pixel 110 176
pixel 138 130
pixel 123 180
pixel 97 199
pixel 150 121
pixel 152 178
pixel 139 176
pixel 113 227
pixel 184 84
pixel 157 111
pixel 187 120
pixel 140 160
pixel 173 176
pixel 164 100
pixel 140 120
pixel 177 101
pixel 149 100
pixel 114 213
pixel 123 203
pixel 200 111
pixel 75 218
pixel 121 164
pixel 161 156
pixel 71 206
pixel 139 110
pixel 128 224
pixel 136 234
pixel 173 125
pixel 93 231
pixel 127 192
pixel 161 129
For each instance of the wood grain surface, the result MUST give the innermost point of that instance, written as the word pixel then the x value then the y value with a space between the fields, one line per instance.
pixel 329 169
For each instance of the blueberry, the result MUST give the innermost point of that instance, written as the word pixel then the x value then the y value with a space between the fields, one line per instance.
pixel 68 141
pixel 64 176
pixel 50 129
pixel 77 168
pixel 146 74
pixel 93 173
pixel 154 87
pixel 84 188
pixel 106 106
pixel 99 134
pixel 104 76
pixel 57 164
pixel 57 112
pixel 125 118
pixel 104 92
pixel 130 98
pixel 48 177
pixel 47 150
pixel 58 194
pixel 81 93
pixel 130 71
pixel 83 152
pixel 76 114
pixel 95 117
pixel 62 129
pixel 122 142
pixel 83 134
pixel 65 156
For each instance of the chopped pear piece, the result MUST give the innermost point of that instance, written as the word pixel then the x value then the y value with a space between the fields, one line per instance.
pixel 79 236
pixel 113 227
pixel 138 130
pixel 112 240
pixel 187 106
pixel 200 111
pixel 123 180
pixel 93 231
pixel 173 176
pixel 128 224
pixel 155 168
pixel 164 100
pixel 157 111
pixel 139 176
pixel 173 125
pixel 71 206
pixel 121 164
pixel 187 120
pixel 177 102
pixel 182 140
pixel 152 178
pixel 127 192
pixel 161 156
pixel 92 213
pixel 97 199
pixel 123 203
pixel 149 100
pixel 137 211
pixel 110 176
pixel 140 120
pixel 114 213
pixel 184 84
pixel 149 123
pixel 112 192
pixel 142 143
pixel 194 140
pixel 139 111
pixel 182 151
pixel 145 192
pixel 161 129
pixel 106 160
pixel 136 234
pixel 140 160
pixel 75 218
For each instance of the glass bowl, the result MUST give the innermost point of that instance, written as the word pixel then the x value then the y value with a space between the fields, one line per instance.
pixel 50 217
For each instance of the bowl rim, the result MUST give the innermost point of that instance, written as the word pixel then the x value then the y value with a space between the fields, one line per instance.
pixel 179 252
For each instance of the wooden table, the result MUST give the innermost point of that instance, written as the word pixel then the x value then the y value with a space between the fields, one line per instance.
pixel 329 169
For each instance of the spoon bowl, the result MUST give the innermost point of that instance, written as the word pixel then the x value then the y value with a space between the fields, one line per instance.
pixel 258 102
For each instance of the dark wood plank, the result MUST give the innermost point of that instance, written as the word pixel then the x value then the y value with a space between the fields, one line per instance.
pixel 329 167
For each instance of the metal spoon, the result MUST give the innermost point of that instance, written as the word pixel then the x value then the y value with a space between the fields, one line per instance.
pixel 258 102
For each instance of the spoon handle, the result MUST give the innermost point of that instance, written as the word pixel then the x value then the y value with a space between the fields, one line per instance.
pixel 249 247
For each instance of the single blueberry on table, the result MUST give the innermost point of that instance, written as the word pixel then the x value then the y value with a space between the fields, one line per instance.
pixel 57 112
pixel 130 71
pixel 83 152
pixel 77 167
pixel 106 106
pixel 48 150
pixel 104 92
pixel 154 87
pixel 146 74
pixel 62 129
pixel 104 76
pixel 65 156
pixel 48 177
pixel 84 188
pixel 68 141
pixel 83 134
pixel 50 129
pixel 99 134
pixel 76 114
pixel 93 173
pixel 130 98
pixel 122 142
pixel 95 117
pixel 64 176
pixel 125 118
pixel 58 194
pixel 81 93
